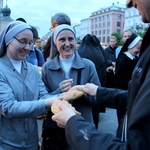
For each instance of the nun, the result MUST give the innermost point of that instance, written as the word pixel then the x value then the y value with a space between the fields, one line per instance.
pixel 125 65
pixel 23 95
pixel 64 70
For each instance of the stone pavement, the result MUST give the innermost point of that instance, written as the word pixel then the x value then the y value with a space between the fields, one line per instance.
pixel 108 121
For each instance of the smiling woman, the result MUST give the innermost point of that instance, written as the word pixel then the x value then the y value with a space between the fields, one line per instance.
pixel 19 103
pixel 64 70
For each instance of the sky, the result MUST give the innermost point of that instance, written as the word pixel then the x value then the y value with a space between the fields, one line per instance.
pixel 39 12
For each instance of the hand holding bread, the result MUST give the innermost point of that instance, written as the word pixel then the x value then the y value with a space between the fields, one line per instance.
pixel 73 93
pixel 56 109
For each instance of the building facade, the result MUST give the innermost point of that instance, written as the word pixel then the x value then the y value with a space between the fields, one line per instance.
pixel 133 19
pixel 4 15
pixel 106 21
pixel 85 27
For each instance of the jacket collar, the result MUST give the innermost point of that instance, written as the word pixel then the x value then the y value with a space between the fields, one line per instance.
pixel 77 64
pixel 7 61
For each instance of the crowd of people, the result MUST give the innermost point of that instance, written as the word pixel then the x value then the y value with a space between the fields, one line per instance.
pixel 32 78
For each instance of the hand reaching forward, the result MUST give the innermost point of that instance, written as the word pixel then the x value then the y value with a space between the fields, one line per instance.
pixel 89 88
pixel 49 101
pixel 62 117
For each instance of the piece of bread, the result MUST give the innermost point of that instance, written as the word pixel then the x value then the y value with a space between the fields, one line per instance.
pixel 55 106
pixel 73 93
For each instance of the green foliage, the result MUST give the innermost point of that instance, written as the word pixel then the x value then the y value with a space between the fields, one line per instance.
pixel 140 31
pixel 78 39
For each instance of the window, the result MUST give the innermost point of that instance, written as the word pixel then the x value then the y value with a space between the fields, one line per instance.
pixel 108 31
pixel 103 39
pixel 99 32
pixel 103 31
pixel 100 18
pixel 108 17
pixel 100 25
pixel 104 24
pixel 108 24
pixel 119 17
pixel 118 24
pixel 118 30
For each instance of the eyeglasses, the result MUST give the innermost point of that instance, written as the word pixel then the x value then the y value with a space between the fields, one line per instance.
pixel 24 43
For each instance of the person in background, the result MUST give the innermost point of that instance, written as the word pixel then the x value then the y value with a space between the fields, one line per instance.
pixel 78 43
pixel 91 49
pixel 38 43
pixel 23 95
pixel 46 49
pixel 126 35
pixel 136 134
pixel 125 65
pixel 64 70
pixel 35 56
pixel 57 19
pixel 21 19
pixel 111 61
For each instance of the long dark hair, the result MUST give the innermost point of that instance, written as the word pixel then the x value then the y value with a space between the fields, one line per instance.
pixel 46 48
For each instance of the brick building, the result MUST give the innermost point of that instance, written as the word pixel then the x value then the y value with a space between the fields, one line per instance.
pixel 106 21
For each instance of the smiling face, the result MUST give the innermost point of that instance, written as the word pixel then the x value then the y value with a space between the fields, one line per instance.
pixel 136 49
pixel 16 50
pixel 65 43
pixel 126 35
pixel 143 7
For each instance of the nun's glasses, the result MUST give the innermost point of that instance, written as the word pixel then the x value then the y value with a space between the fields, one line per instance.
pixel 24 43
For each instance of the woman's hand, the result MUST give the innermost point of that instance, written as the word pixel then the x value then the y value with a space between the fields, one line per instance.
pixel 65 85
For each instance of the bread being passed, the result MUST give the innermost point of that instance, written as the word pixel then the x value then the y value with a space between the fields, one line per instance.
pixel 73 93
pixel 55 106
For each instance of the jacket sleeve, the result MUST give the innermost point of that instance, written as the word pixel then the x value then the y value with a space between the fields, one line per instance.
pixel 120 79
pixel 112 98
pixel 40 57
pixel 81 134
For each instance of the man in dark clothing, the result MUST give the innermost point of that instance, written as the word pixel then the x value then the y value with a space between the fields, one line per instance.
pixel 136 133
pixel 110 52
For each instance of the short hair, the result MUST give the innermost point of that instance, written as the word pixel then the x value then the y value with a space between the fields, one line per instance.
pixel 60 18
pixel 113 37
pixel 35 32
pixel 21 19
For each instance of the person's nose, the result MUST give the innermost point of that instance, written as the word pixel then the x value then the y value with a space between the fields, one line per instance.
pixel 28 46
pixel 129 3
pixel 67 43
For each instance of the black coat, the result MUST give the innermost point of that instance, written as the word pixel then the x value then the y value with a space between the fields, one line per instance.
pixel 82 134
pixel 123 71
pixel 91 49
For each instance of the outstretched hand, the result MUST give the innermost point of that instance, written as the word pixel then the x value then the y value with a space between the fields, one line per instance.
pixel 89 88
pixel 62 117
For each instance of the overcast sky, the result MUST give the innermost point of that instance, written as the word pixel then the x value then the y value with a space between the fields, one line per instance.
pixel 39 12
